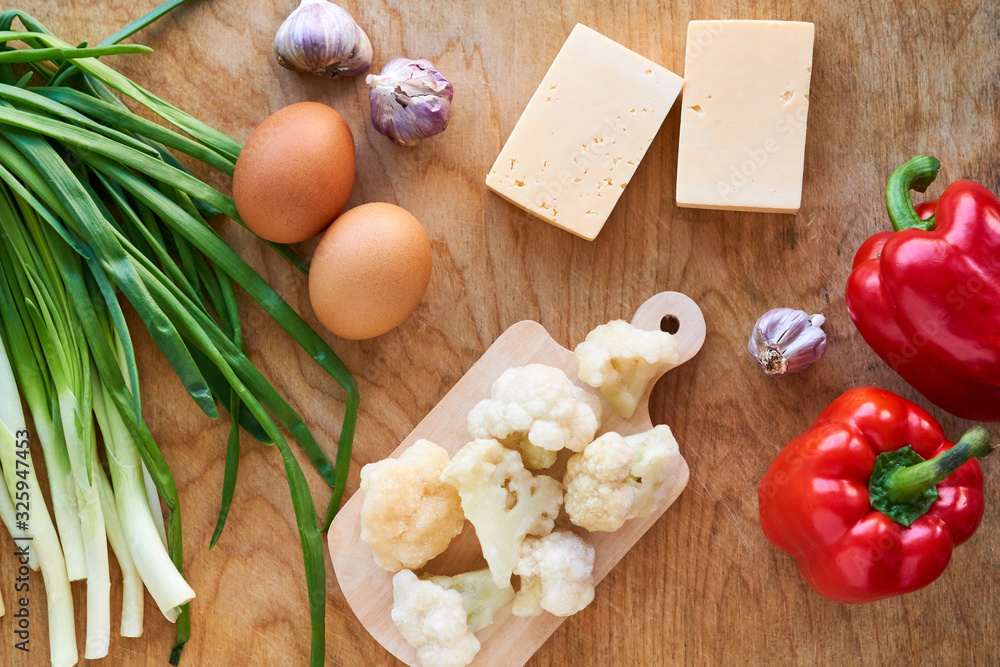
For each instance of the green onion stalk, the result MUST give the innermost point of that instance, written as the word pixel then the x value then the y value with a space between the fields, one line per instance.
pixel 22 496
pixel 68 358
pixel 33 378
pixel 26 250
pixel 29 242
pixel 153 499
pixel 125 216
pixel 134 513
pixel 132 588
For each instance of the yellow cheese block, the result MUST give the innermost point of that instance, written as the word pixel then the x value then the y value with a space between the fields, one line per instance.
pixel 584 132
pixel 743 118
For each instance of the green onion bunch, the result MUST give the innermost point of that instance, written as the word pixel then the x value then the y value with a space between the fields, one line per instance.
pixel 94 203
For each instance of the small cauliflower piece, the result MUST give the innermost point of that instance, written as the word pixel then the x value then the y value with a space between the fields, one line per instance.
pixel 503 501
pixel 620 359
pixel 480 595
pixel 538 411
pixel 597 495
pixel 617 478
pixel 408 514
pixel 433 621
pixel 656 468
pixel 557 575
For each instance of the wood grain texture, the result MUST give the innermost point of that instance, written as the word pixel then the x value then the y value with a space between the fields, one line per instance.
pixel 509 640
pixel 890 79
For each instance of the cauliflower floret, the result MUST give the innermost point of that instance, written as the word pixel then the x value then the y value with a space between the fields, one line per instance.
pixel 597 497
pixel 503 501
pixel 656 468
pixel 433 621
pixel 409 515
pixel 617 478
pixel 537 410
pixel 621 359
pixel 480 596
pixel 557 575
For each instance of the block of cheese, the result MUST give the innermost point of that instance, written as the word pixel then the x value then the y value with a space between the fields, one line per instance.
pixel 743 118
pixel 584 132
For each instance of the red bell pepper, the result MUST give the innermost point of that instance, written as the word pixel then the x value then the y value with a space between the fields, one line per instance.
pixel 926 297
pixel 872 499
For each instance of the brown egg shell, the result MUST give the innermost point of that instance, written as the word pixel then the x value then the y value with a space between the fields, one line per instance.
pixel 295 173
pixel 370 271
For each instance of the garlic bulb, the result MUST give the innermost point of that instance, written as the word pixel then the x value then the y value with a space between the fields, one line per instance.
pixel 410 99
pixel 787 341
pixel 321 38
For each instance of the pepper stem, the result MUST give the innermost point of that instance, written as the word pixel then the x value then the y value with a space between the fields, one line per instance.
pixel 917 174
pixel 905 485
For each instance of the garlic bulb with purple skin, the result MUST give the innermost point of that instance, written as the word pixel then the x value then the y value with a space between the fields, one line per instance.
pixel 787 341
pixel 410 99
pixel 323 39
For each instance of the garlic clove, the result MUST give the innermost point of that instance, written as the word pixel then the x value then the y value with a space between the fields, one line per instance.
pixel 787 341
pixel 321 38
pixel 410 100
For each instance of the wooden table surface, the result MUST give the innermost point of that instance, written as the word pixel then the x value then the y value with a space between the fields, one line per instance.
pixel 890 80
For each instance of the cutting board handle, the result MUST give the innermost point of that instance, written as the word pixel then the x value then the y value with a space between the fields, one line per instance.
pixel 675 313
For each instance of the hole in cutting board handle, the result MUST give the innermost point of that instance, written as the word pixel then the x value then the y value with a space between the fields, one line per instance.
pixel 670 324
pixel 660 311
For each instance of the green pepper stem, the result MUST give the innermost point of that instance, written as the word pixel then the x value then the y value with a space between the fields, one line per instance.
pixel 905 484
pixel 917 174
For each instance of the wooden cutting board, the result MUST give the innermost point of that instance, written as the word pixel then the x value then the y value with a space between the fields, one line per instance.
pixel 510 640
pixel 703 586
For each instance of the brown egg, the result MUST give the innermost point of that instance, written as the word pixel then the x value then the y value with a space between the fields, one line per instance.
pixel 370 271
pixel 295 173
